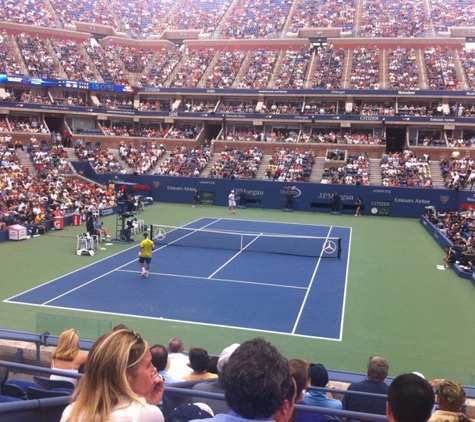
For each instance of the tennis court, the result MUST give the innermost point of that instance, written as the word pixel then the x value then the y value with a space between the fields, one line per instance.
pixel 265 276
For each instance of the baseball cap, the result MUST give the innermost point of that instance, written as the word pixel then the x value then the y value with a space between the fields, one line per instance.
pixel 318 375
pixel 185 412
pixel 225 355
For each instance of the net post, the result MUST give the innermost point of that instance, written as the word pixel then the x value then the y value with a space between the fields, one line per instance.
pixel 339 248
pixel 151 232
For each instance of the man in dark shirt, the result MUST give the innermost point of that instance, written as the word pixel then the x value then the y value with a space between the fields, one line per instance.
pixel 377 372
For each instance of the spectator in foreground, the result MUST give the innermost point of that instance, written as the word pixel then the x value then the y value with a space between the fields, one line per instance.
pixel 199 360
pixel 377 371
pixel 299 371
pixel 120 382
pixel 450 399
pixel 179 362
pixel 162 363
pixel 318 377
pixel 67 356
pixel 216 385
pixel 410 399
pixel 258 384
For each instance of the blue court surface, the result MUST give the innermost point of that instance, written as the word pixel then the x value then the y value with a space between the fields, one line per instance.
pixel 266 276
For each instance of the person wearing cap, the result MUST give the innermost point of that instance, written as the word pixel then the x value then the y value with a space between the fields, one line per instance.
pixel 258 384
pixel 410 399
pixel 186 412
pixel 232 202
pixel 216 385
pixel 145 254
pixel 450 399
pixel 318 377
pixel 299 371
pixel 377 371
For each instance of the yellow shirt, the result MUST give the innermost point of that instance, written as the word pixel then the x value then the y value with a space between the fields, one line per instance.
pixel 146 248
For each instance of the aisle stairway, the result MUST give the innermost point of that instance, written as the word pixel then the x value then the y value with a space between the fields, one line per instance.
pixel 25 161
pixel 375 171
pixel 317 170
pixel 436 175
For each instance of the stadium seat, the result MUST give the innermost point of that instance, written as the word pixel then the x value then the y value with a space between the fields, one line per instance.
pixel 49 384
pixel 40 393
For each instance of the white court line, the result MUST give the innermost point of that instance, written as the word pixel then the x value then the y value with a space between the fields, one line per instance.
pixel 309 287
pixel 219 279
pixel 232 258
pixel 205 324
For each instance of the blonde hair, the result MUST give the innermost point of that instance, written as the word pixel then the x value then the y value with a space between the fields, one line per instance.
pixel 68 346
pixel 104 384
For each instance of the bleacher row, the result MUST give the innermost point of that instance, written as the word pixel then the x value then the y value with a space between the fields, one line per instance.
pixel 231 19
pixel 432 67
pixel 26 389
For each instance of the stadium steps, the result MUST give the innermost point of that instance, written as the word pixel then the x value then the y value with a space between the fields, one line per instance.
pixel 25 161
pixel 317 170
pixel 375 172
pixel 262 169
pixel 436 174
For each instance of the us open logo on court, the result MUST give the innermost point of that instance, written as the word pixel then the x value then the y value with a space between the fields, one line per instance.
pixel 156 184
pixel 444 199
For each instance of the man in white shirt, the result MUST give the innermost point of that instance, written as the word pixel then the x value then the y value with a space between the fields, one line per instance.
pixel 179 362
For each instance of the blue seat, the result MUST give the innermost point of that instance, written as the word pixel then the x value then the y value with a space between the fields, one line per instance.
pixel 40 393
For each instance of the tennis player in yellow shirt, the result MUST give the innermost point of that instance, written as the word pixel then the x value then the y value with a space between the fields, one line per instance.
pixel 145 254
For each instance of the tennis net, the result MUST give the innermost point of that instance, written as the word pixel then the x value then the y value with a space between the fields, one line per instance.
pixel 312 246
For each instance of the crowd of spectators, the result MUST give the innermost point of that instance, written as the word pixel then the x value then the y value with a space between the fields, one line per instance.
pixel 142 159
pixel 281 107
pixel 440 68
pixel 393 19
pixel 365 68
pixel 225 69
pixel 458 228
pixel 203 15
pixel 458 170
pixel 185 162
pixel 250 20
pixel 292 70
pixel 406 169
pixel 236 164
pixel 328 68
pixel 73 62
pixel 161 67
pixel 403 69
pixel 192 68
pixel 8 62
pixel 154 105
pixel 238 106
pixel 467 57
pixel 290 165
pixel 26 197
pixel 100 158
pixel 259 69
pixel 323 14
pixel 38 61
pixel 383 108
pixel 107 63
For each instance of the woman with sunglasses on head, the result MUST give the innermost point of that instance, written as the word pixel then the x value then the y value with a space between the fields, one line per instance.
pixel 120 383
